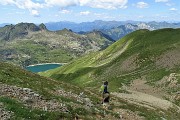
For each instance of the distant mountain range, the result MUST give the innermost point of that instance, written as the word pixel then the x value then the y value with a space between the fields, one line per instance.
pixel 84 26
pixel 27 43
pixel 99 24
pixel 118 32
pixel 115 29
pixel 3 24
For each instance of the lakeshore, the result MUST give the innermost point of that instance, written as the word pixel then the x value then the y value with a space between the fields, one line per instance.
pixel 46 64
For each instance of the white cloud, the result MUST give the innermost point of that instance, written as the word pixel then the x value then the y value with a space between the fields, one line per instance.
pixel 104 4
pixel 173 9
pixel 85 13
pixel 35 13
pixel 99 14
pixel 161 0
pixel 61 3
pixel 142 5
pixel 29 4
pixel 34 5
pixel 17 12
pixel 6 2
pixel 24 4
pixel 65 11
pixel 169 4
pixel 141 16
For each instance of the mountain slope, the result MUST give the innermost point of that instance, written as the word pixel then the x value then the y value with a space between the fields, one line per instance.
pixel 145 48
pixel 143 63
pixel 26 43
pixel 25 95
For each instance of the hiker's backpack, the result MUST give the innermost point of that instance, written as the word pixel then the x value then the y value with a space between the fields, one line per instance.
pixel 104 89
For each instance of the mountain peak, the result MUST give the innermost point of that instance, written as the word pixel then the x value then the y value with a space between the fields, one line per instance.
pixel 68 30
pixel 27 26
pixel 42 26
pixel 19 30
pixel 65 31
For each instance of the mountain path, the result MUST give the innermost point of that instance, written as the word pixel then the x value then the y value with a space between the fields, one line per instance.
pixel 146 100
pixel 145 95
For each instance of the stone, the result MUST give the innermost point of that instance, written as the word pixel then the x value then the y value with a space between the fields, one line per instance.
pixel 27 100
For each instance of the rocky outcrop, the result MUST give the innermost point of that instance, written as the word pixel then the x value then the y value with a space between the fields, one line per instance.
pixel 79 98
pixel 31 99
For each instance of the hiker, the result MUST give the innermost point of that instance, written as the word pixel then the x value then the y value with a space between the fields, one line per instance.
pixel 105 93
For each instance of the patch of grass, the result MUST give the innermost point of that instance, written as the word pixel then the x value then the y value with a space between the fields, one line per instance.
pixel 157 75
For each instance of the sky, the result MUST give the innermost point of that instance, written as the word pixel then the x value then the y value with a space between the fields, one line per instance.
pixel 43 11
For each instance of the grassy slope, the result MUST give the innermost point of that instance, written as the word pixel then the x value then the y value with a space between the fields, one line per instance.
pixel 15 76
pixel 91 60
pixel 147 46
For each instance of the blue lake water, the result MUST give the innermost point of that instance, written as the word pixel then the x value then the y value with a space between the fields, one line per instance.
pixel 43 67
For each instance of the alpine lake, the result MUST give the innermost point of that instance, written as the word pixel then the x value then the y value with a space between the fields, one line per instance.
pixel 42 67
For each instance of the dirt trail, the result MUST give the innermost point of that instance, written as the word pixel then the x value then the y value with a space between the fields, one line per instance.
pixel 145 100
pixel 141 86
pixel 144 95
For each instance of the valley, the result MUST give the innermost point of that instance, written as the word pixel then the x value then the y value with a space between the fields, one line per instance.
pixel 142 69
pixel 89 60
pixel 25 44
